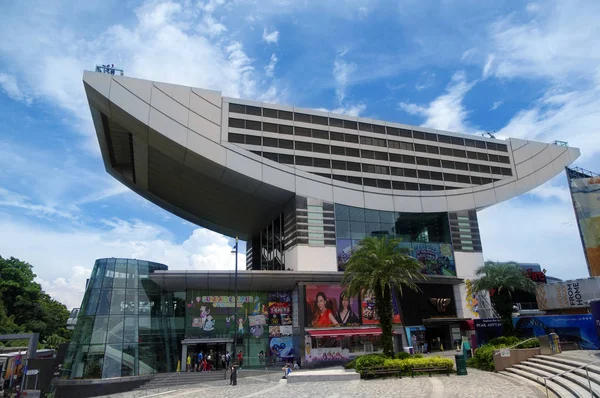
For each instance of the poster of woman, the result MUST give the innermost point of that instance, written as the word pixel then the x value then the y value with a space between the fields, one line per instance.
pixel 327 306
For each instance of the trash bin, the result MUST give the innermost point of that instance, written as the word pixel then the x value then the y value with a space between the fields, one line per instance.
pixel 461 364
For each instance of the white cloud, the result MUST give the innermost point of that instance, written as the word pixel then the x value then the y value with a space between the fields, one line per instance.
pixel 270 37
pixel 351 110
pixel 270 68
pixel 12 89
pixel 425 81
pixel 447 111
pixel 342 71
pixel 62 258
pixel 488 66
pixel 532 7
pixel 496 105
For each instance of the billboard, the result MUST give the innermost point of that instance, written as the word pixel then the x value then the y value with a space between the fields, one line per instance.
pixel 585 192
pixel 326 307
pixel 579 329
pixel 570 294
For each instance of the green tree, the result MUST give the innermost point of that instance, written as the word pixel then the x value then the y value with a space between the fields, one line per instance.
pixel 378 265
pixel 502 279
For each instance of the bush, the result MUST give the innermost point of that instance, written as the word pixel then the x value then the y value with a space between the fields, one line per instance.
pixel 508 341
pixel 367 361
pixel 402 355
pixel 418 356
pixel 351 364
pixel 484 357
pixel 534 343
pixel 405 365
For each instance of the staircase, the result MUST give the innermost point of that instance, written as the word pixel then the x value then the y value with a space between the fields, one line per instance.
pixel 572 380
pixel 166 381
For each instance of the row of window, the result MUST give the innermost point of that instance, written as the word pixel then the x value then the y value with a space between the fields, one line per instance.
pixel 348 124
pixel 365 154
pixel 407 146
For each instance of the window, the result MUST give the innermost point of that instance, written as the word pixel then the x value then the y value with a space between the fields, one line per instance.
pixel 322 163
pixel 320 148
pixel 424 174
pixel 336 122
pixel 370 182
pixel 503 159
pixel 302 117
pixel 378 129
pixel 459 153
pixel 303 146
pixel 475 180
pixel 412 186
pixel 405 133
pixel 237 108
pixel 470 143
pixel 381 156
pixel 461 166
pixel 352 152
pixel 340 178
pixel 410 173
pixel 286 144
pixel 253 110
pixel 472 155
pixel 484 169
pixel 445 151
pixel 270 127
pixel 337 150
pixel 283 129
pixel 462 178
pixel 285 115
pixel 286 159
pixel 408 159
pixel 431 137
pixel 435 163
pixel 366 140
pixel 420 148
pixel 398 185
pixel 365 127
pixel 272 113
pixel 485 180
pixel 355 180
pixel 447 164
pixel 338 164
pixel 473 167
pixel 253 140
pixel 336 136
pixel 271 156
pixel 352 166
pixel 324 135
pixel 458 141
pixel 394 157
pixel 506 172
pixel 302 132
pixel 350 125
pixel 384 184
pixel 253 125
pixel 496 170
pixel 422 161
pixel 491 146
pixel 482 156
pixel 237 123
pixel 445 139
pixel 436 175
pixel 270 142
pixel 425 187
pixel 450 177
pixel 480 144
pixel 322 120
pixel 397 171
pixel 392 131
pixel 236 138
pixel 419 135
pixel 304 161
pixel 493 158
pixel 367 154
pixel 502 147
pixel 433 149
pixel 351 138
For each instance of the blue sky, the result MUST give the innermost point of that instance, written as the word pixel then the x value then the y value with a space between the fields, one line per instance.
pixel 526 70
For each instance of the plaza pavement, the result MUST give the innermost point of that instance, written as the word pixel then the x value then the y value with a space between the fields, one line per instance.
pixel 476 384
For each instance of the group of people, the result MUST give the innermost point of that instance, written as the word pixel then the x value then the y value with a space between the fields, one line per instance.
pixel 324 316
pixel 205 362
pixel 108 68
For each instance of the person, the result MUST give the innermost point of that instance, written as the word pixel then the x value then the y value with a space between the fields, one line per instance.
pixel 345 316
pixel 287 369
pixel 188 362
pixel 413 340
pixel 233 376
pixel 240 358
pixel 223 360
pixel 322 316
pixel 200 361
pixel 112 69
pixel 296 366
pixel 227 358
pixel 261 358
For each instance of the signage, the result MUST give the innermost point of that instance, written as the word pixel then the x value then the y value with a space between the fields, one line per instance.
pixel 570 294
pixel 595 310
pixel 505 352
pixel 578 329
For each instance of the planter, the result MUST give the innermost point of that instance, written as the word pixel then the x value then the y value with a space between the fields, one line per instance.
pixel 516 356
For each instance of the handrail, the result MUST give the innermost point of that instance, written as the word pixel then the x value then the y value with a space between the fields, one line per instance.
pixel 164 381
pixel 108 69
pixel 546 378
pixel 518 344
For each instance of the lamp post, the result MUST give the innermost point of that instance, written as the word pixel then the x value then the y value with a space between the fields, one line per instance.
pixel 235 300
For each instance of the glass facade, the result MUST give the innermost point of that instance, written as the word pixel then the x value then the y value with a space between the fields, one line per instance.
pixel 425 235
pixel 127 326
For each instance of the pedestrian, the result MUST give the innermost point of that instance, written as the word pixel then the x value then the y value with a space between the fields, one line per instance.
pixel 261 358
pixel 240 358
pixel 112 69
pixel 227 358
pixel 200 360
pixel 188 362
pixel 287 369
pixel 223 361
pixel 296 366
pixel 233 376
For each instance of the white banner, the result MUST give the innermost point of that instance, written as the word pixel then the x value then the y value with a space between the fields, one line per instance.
pixel 572 294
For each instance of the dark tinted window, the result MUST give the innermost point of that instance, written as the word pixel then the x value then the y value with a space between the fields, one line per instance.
pixel 355 180
pixel 436 175
pixel 252 140
pixel 496 170
pixel 237 108
pixel 352 152
pixel 365 127
pixel 423 174
pixel 370 182
pixel 473 167
pixel 420 148
pixel 270 113
pixel 381 156
pixel 422 161
pixel 408 159
pixel 367 154
pixel 461 166
pixel 337 150
pixel 433 149
pixel 482 156
pixel 338 164
pixel 236 138
pixel 449 177
pixel 397 171
pixel 286 159
pixel 283 129
pixel 253 125
pixel 302 117
pixel 412 186
pixel 458 141
pixel 304 161
pixel 392 131
pixel 419 135
pixel 398 185
pixel 506 172
pixel 493 158
pixel 431 137
pixel 302 131
pixel 324 135
pixel 410 173
pixel 270 127
pixel 502 147
pixel 303 146
pixel 504 159
pixel 352 166
pixel 237 123
pixel 405 133
pixel 384 184
pixel 472 155
pixel 464 179
pixel 491 146
pixel 322 120
pixel 336 136
pixel 460 153
pixel 480 144
pixel 445 151
pixel 286 144
pixel 447 164
pixel 425 187
pixel 270 142
pixel 286 115
pixel 340 178
pixel 351 138
pixel 272 156
pixel 394 157
pixel 475 180
pixel 336 122
pixel 378 129
pixel 484 169
pixel 322 163
pixel 445 139
pixel 320 148
pixel 435 163
pixel 470 143
pixel 253 110
pixel 485 180
pixel 350 125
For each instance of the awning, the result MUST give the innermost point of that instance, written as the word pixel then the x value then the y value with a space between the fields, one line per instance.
pixel 345 332
pixel 468 325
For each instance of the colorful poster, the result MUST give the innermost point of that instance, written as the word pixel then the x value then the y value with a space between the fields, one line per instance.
pixel 573 294
pixel 369 312
pixel 331 354
pixel 254 320
pixel 578 329
pixel 586 200
pixel 278 331
pixel 282 347
pixel 326 306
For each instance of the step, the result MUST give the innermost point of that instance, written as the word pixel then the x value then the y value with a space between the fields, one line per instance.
pixel 571 362
pixel 556 388
pixel 322 375
pixel 575 388
pixel 581 381
pixel 563 367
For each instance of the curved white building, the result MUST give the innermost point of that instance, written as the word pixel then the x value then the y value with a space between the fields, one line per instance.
pixel 303 186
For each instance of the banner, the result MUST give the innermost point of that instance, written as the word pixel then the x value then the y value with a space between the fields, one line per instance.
pixel 573 294
pixel 595 310
pixel 326 306
pixel 586 200
pixel 579 329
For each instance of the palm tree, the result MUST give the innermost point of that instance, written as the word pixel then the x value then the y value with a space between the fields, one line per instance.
pixel 503 279
pixel 377 266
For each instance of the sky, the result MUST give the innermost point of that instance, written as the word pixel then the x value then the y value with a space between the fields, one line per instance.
pixel 518 69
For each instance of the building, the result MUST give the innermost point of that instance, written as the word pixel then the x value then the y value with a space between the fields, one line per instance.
pixel 302 188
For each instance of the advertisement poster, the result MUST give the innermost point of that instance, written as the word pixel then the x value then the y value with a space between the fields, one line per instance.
pixel 326 306
pixel 573 294
pixel 282 347
pixel 295 321
pixel 579 329
pixel 586 200
pixel 595 310
pixel 369 312
pixel 320 355
pixel 486 329
pixel 280 309
pixel 278 331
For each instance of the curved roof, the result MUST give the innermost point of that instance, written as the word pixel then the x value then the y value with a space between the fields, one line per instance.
pixel 231 165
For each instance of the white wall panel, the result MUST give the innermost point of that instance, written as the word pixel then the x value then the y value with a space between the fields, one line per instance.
pixel 314 189
pixel 348 197
pixel 204 127
pixel 131 104
pixel 467 263
pixel 168 127
pixel 244 165
pixel 180 94
pixel 168 106
pixel 434 204
pixel 273 176
pixel 380 202
pixel 205 109
pixel 206 148
pixel 140 88
pixel 321 259
pixel 484 198
pixel 505 192
pixel 408 204
pixel 211 96
pixel 460 202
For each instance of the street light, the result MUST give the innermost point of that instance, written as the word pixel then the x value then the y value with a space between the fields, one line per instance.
pixel 235 250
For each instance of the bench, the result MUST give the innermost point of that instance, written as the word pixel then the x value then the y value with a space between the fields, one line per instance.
pixel 430 370
pixel 380 371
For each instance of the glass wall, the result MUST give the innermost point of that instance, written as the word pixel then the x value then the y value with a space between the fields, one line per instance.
pixel 127 326
pixel 425 235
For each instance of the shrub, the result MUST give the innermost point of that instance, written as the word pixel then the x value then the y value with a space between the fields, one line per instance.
pixel 402 355
pixel 405 365
pixel 367 361
pixel 484 357
pixel 351 364
pixel 508 341
pixel 418 356
pixel 534 343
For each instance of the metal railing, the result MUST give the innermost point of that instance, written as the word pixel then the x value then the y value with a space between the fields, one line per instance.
pixel 587 374
pixel 159 390
pixel 108 69
pixel 516 345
